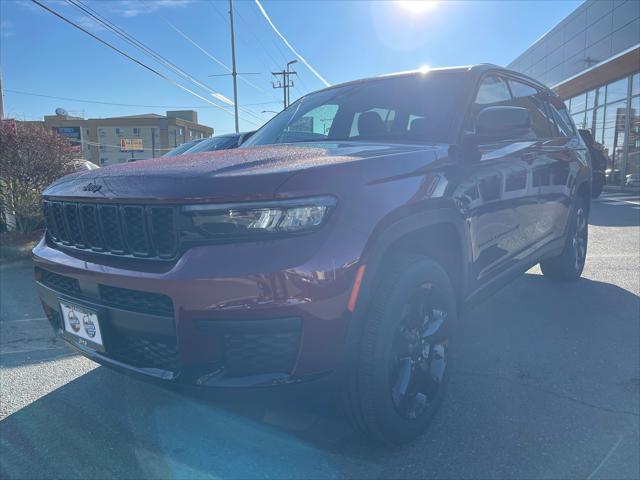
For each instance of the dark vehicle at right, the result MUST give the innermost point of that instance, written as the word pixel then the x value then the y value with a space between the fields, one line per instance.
pixel 598 162
pixel 180 149
pixel 220 142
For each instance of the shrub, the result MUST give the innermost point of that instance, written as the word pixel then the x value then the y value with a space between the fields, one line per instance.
pixel 31 157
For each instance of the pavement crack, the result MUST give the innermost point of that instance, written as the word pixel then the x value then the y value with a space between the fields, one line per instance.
pixel 547 391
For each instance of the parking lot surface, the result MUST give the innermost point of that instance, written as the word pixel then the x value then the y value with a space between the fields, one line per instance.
pixel 546 385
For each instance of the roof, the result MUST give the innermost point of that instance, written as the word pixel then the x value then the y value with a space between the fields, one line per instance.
pixel 477 69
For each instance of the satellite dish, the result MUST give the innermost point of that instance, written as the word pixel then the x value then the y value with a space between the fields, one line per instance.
pixel 61 111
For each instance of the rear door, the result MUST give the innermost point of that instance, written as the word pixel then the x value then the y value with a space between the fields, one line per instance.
pixel 547 171
pixel 567 154
pixel 496 193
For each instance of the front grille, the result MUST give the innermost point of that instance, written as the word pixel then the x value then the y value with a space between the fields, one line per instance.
pixel 144 353
pixel 253 354
pixel 122 298
pixel 136 300
pixel 123 230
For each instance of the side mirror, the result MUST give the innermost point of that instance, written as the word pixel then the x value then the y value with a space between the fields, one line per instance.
pixel 503 123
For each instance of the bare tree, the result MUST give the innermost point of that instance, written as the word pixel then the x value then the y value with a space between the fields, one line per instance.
pixel 31 157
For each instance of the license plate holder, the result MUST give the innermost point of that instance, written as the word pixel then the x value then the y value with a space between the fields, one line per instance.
pixel 81 325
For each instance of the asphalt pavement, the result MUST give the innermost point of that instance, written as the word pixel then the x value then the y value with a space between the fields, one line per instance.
pixel 546 385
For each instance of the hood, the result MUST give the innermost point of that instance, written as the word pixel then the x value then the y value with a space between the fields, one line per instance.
pixel 241 174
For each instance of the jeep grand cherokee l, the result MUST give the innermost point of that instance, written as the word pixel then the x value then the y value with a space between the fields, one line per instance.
pixel 343 240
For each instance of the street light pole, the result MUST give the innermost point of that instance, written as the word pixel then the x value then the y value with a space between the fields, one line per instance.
pixel 234 73
pixel 287 89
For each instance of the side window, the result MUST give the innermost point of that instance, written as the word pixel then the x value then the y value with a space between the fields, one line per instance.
pixel 492 90
pixel 532 99
pixel 562 119
pixel 520 90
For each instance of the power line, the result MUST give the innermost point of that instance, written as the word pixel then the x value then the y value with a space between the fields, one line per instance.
pixel 250 29
pixel 150 52
pixel 190 40
pixel 258 42
pixel 70 99
pixel 286 42
pixel 278 46
pixel 138 62
pixel 98 144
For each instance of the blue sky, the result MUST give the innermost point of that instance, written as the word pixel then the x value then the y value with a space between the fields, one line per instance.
pixel 341 40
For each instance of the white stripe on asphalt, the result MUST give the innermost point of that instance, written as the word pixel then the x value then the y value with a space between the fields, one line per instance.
pixel 31 350
pixel 20 320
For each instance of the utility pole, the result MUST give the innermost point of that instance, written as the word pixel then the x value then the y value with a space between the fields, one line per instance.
pixel 285 84
pixel 234 73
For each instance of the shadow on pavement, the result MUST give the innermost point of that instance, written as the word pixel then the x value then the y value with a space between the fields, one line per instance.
pixel 546 381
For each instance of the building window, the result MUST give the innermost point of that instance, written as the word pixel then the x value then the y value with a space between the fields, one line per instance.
pixel 103 148
pixel 136 131
pixel 617 90
pixel 103 161
pixel 180 131
pixel 633 155
pixel 101 132
pixel 119 131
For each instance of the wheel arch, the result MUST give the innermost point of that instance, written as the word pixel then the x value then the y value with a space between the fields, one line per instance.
pixel 437 234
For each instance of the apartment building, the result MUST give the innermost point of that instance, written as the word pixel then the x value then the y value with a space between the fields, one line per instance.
pixel 100 139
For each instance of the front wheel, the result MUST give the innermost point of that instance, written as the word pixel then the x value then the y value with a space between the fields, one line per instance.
pixel 403 365
pixel 569 264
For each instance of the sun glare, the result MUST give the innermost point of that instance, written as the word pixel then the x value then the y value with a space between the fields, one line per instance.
pixel 417 6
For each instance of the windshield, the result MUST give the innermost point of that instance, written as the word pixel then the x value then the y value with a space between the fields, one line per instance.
pixel 413 109
pixel 222 142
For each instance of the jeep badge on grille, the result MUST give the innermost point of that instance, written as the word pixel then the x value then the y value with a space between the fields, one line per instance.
pixel 92 187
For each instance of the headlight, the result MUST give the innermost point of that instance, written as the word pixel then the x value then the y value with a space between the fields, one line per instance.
pixel 259 218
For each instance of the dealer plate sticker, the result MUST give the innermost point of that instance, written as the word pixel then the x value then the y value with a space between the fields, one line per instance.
pixel 82 323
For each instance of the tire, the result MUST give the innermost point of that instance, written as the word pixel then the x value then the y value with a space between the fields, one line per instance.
pixel 402 368
pixel 568 266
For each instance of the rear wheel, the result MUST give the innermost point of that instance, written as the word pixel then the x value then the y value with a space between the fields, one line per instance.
pixel 403 367
pixel 569 264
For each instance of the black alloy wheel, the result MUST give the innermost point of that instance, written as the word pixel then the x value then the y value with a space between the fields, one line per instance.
pixel 419 355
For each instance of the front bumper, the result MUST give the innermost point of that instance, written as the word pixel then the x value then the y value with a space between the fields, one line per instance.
pixel 208 320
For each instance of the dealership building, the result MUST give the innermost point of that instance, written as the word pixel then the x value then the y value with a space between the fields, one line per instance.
pixel 105 141
pixel 592 60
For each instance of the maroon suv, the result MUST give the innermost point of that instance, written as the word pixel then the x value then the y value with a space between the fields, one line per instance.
pixel 344 237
